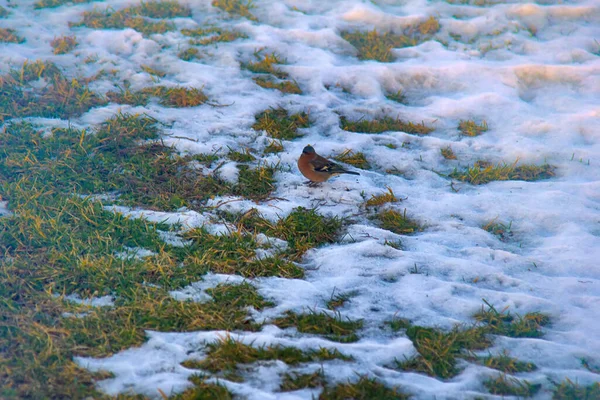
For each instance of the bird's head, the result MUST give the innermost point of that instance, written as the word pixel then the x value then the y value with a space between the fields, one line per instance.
pixel 308 150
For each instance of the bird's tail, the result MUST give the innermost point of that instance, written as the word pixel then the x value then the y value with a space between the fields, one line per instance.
pixel 349 172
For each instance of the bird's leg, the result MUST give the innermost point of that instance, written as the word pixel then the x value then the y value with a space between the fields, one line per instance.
pixel 313 184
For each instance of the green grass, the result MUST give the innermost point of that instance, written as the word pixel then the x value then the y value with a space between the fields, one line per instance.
pixel 236 8
pixel 189 54
pixel 153 71
pixel 274 146
pixel 398 97
pixel 266 64
pixel 356 159
pixel 505 324
pixel 448 153
pixel 569 390
pixel 508 386
pixel 498 229
pixel 280 124
pixel 241 156
pixel 179 97
pixel 373 45
pixel 57 3
pixel 397 222
pixel 506 364
pixel 10 36
pixel 134 17
pixel 483 173
pixel 296 381
pixel 385 124
pixel 203 391
pixel 60 97
pixel 363 389
pixel 284 86
pixel 238 296
pixel 338 300
pixel 381 199
pixel 63 44
pixel 213 35
pixel 223 356
pixel 471 128
pixel 333 327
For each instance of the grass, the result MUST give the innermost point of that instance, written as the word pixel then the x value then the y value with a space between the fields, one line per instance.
pixel 214 35
pixel 506 364
pixel 321 323
pixel 266 64
pixel 238 296
pixel 498 229
pixel 127 96
pixel 224 355
pixel 274 146
pixel 448 153
pixel 363 389
pixel 373 45
pixel 189 54
pixel 203 391
pixel 241 156
pixel 471 128
pixel 153 71
pixel 356 159
pixel 296 381
pixel 397 222
pixel 168 96
pixel 255 183
pixel 59 97
pixel 338 300
pixel 509 386
pixel 280 124
pixel 385 124
pixel 481 174
pixel 10 36
pixel 381 199
pixel 134 17
pixel 505 324
pixel 237 8
pixel 63 44
pixel 284 86
pixel 398 97
pixel 569 390
pixel 57 3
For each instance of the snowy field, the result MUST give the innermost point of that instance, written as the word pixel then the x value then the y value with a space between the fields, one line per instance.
pixel 530 70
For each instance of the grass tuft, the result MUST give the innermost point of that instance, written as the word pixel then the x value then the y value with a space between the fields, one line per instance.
pixel 266 65
pixel 356 159
pixel 177 96
pixel 364 389
pixel 332 327
pixel 10 36
pixel 373 45
pixel 153 71
pixel 236 7
pixel 381 199
pixel 398 222
pixel 257 183
pixel 189 54
pixel 569 390
pixel 203 391
pixel 57 3
pixel 448 153
pixel 498 229
pixel 505 324
pixel 241 156
pixel 279 124
pixel 338 300
pixel 274 146
pixel 238 296
pixel 504 363
pixel 296 381
pixel 284 86
pixel 63 44
pixel 207 36
pixel 385 124
pixel 471 128
pixel 509 386
pixel 483 173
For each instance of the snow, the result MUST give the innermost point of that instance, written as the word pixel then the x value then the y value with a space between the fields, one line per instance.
pixel 540 97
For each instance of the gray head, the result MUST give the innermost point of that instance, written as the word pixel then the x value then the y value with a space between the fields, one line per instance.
pixel 308 150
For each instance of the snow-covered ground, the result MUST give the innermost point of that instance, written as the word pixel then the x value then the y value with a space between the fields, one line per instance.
pixel 531 70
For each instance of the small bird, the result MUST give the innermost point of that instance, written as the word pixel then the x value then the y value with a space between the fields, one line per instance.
pixel 318 169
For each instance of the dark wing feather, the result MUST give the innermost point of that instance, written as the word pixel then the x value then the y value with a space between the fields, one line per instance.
pixel 321 164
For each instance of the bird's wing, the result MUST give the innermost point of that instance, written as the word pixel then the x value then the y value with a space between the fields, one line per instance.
pixel 321 164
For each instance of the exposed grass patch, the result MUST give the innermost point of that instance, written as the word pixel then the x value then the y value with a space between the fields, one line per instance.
pixel 385 124
pixel 296 381
pixel 333 328
pixel 284 86
pixel 153 71
pixel 356 159
pixel 381 199
pixel 505 324
pixel 267 65
pixel 509 386
pixel 133 17
pixel 207 36
pixel 480 174
pixel 238 296
pixel 396 324
pixel 448 153
pixel 57 3
pixel 569 390
pixel 10 36
pixel 373 45
pixel 236 7
pixel 471 128
pixel 274 146
pixel 397 222
pixel 59 97
pixel 257 183
pixel 338 300
pixel 203 391
pixel 439 351
pixel 398 97
pixel 63 44
pixel 364 389
pixel 127 96
pixel 189 54
pixel 504 363
pixel 224 355
pixel 498 229
pixel 279 124
pixel 177 96
pixel 241 156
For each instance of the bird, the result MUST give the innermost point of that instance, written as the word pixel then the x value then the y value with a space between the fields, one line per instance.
pixel 317 168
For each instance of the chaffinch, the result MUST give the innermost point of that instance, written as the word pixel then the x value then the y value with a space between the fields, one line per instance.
pixel 318 169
